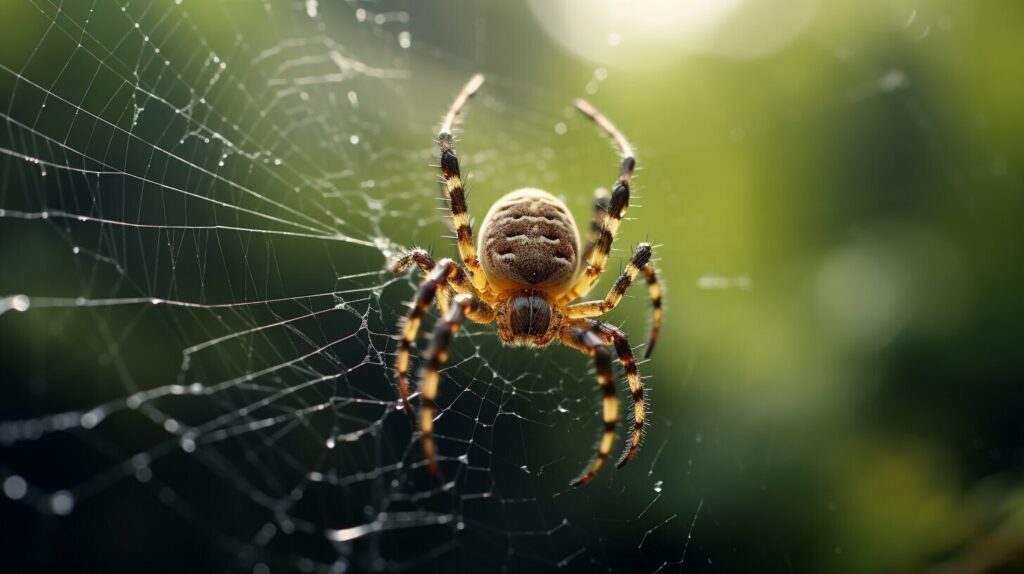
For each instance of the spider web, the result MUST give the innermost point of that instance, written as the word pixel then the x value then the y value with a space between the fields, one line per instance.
pixel 197 204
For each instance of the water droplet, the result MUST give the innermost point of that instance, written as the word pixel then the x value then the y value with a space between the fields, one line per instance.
pixel 20 303
pixel 89 420
pixel 62 503
pixel 15 487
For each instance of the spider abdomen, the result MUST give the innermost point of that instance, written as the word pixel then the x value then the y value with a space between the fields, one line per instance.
pixel 529 239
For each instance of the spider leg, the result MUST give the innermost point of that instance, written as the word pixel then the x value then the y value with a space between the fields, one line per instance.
pixel 601 198
pixel 417 256
pixel 585 341
pixel 437 280
pixel 639 263
pixel 463 306
pixel 422 259
pixel 615 336
pixel 609 128
pixel 640 259
pixel 457 280
pixel 454 191
pixel 617 205
pixel 654 290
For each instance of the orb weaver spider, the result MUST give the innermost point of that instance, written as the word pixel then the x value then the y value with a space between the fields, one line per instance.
pixel 531 270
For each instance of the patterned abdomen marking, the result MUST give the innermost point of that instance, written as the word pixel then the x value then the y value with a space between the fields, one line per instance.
pixel 529 239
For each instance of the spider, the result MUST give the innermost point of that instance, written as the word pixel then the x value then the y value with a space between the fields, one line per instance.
pixel 530 270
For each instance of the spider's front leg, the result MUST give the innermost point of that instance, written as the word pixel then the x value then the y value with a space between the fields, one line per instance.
pixel 641 261
pixel 601 244
pixel 455 193
pixel 463 306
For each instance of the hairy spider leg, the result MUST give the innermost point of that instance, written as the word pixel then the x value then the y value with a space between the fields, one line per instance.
pixel 584 340
pixel 640 262
pixel 618 203
pixel 455 192
pixel 654 292
pixel 457 281
pixel 422 259
pixel 614 336
pixel 640 258
pixel 600 212
pixel 446 274
pixel 463 306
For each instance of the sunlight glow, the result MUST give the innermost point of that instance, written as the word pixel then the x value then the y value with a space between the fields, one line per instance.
pixel 655 32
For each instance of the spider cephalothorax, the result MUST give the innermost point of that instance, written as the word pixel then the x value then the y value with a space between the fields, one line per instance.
pixel 527 317
pixel 530 269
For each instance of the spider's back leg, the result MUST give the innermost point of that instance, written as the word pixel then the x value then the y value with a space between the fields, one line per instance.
pixel 587 342
pixel 462 307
